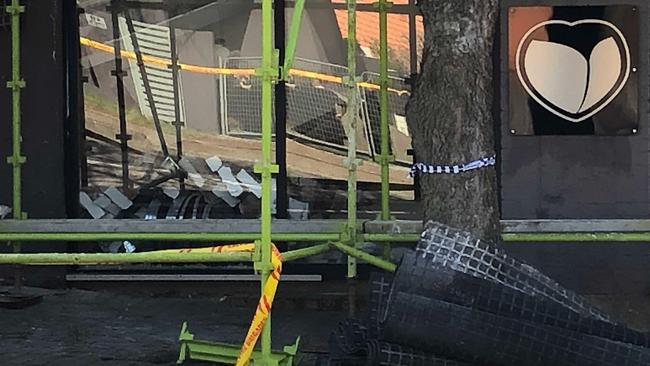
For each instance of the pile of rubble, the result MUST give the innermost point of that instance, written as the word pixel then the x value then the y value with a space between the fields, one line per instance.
pixel 457 300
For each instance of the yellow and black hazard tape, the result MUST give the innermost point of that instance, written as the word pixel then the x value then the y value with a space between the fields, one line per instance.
pixel 164 63
pixel 266 300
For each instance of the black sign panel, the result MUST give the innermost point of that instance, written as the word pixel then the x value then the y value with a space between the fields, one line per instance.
pixel 573 70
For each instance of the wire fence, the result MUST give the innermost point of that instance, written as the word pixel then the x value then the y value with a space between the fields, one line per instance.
pixel 316 107
pixel 400 140
pixel 316 97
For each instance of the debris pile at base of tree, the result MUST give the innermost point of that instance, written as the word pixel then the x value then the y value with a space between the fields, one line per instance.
pixel 458 300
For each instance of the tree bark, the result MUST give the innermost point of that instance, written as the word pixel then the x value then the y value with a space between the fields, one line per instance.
pixel 450 113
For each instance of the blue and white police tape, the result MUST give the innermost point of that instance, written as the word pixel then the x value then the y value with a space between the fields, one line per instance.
pixel 452 169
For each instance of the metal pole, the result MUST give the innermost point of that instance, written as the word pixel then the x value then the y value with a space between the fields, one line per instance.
pixel 159 236
pixel 385 157
pixel 178 124
pixel 282 198
pixel 351 119
pixel 388 238
pixel 294 33
pixel 369 258
pixel 119 74
pixel 413 38
pixel 269 73
pixel 51 259
pixel 16 159
pixel 305 252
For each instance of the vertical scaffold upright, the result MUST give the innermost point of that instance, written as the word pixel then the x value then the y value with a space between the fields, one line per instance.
pixel 351 121
pixel 385 156
pixel 269 73
pixel 123 137
pixel 16 84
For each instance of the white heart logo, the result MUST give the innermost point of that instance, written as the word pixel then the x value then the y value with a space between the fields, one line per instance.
pixel 564 81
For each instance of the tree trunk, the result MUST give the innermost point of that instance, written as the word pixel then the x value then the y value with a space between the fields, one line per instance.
pixel 450 113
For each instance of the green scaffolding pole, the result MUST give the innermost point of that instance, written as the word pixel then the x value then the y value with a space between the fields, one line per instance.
pixel 269 73
pixel 292 41
pixel 194 237
pixel 16 84
pixel 351 121
pixel 57 259
pixel 385 157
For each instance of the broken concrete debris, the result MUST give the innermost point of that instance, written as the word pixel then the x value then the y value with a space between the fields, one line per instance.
pixel 118 198
pixel 192 173
pixel 87 203
pixel 234 188
pixel 4 211
pixel 225 196
pixel 214 163
pixel 107 205
pixel 249 182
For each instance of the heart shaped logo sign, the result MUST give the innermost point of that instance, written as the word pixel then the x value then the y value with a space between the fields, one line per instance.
pixel 573 82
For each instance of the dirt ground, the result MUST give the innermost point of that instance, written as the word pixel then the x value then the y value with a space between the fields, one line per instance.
pixel 79 327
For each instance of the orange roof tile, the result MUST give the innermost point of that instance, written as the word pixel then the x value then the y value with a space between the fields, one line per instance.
pixel 368 28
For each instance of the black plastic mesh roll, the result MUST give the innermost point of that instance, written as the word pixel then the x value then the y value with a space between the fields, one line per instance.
pixel 486 339
pixel 348 341
pixel 389 354
pixel 417 276
pixel 379 289
pixel 463 252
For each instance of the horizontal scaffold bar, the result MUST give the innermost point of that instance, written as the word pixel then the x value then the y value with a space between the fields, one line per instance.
pixel 575 226
pixel 401 227
pixel 577 237
pixel 368 258
pixel 305 231
pixel 121 258
pixel 153 236
pixel 168 226
pixel 306 252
